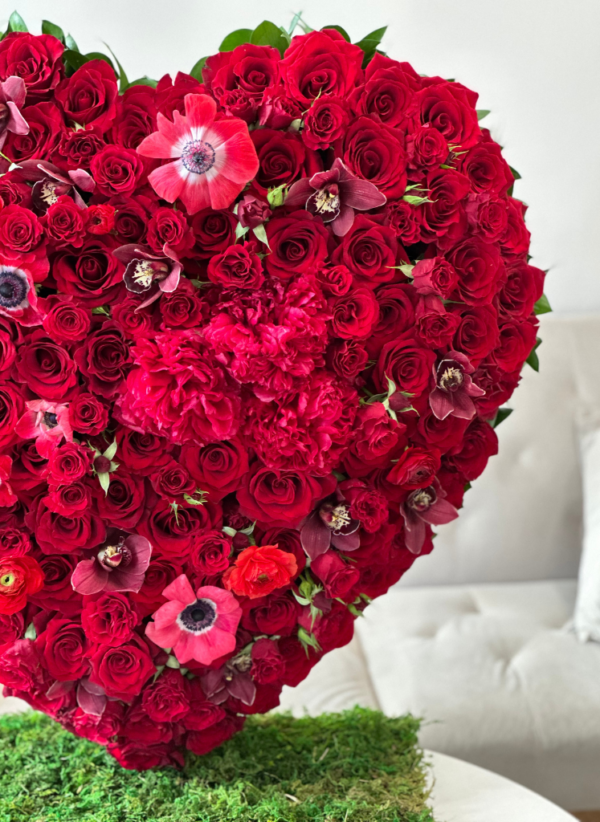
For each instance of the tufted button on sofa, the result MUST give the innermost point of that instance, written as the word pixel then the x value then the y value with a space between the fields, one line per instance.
pixel 476 637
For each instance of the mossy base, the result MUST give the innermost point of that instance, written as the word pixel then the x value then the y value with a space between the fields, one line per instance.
pixel 349 767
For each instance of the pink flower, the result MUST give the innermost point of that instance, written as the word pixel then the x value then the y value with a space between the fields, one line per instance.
pixel 421 507
pixel 330 524
pixel 12 98
pixel 199 626
pixel 214 159
pixel 120 565
pixel 7 497
pixel 47 423
pixel 18 299
pixel 148 272
pixel 50 183
pixel 454 388
pixel 335 195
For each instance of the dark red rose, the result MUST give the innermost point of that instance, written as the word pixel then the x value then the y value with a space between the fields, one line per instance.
pixel 172 481
pixel 434 276
pixel 480 270
pixel 131 218
pixel 8 353
pixel 377 439
pixel 335 629
pixel 426 147
pixel 416 468
pixel 435 325
pixel 68 463
pixel 46 368
pixel 140 729
pixel 515 345
pixel 477 333
pixel 136 117
pixel 253 69
pixel 20 230
pixel 281 497
pixel 202 742
pixel 124 670
pixel 173 533
pixel 104 360
pixel 325 123
pixel 376 152
pixel 80 146
pixel 65 222
pixel 388 92
pixel 133 322
pixel 88 414
pixel 123 504
pixel 46 127
pixel 184 308
pixel 397 304
pixel 237 267
pixel 89 96
pixel 524 285
pixel 167 699
pixel 65 649
pixel 498 386
pixel 238 103
pixel 14 542
pixel 447 190
pixel 57 534
pixel 276 614
pixel 471 456
pixel 281 155
pixel 117 170
pixel 335 280
pixel 68 500
pixel 298 245
pixel 407 364
pixel 370 251
pixel 252 211
pixel 487 216
pixel 210 553
pixel 160 574
pixel 297 661
pixel 440 434
pixel 404 220
pixel 214 232
pixel 171 228
pixel 93 276
pixel 486 168
pixel 142 453
pixel 450 108
pixel 354 314
pixel 337 576
pixel 267 663
pixel 140 757
pixel 12 628
pixel 13 191
pixel 108 619
pixel 170 95
pixel 36 59
pixel 347 358
pixel 515 241
pixel 29 470
pixel 319 64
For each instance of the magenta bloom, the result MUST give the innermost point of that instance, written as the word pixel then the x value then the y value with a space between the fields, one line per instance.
pixel 421 507
pixel 330 524
pixel 148 272
pixel 199 626
pixel 46 422
pixel 335 195
pixel 12 98
pixel 214 159
pixel 454 388
pixel 119 565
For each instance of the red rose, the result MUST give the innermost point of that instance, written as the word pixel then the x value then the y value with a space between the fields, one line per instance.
pixel 210 553
pixel 136 117
pixel 515 344
pixel 170 95
pixel 347 358
pixel 214 232
pixel 141 453
pixel 122 671
pixel 267 663
pixel 434 276
pixel 524 285
pixel 57 593
pixel 396 315
pixel 87 414
pixel 171 228
pixel 79 147
pixel 21 231
pixel 139 757
pixel 133 322
pixel 416 468
pixel 376 152
pixel 65 648
pixel 377 438
pixel 36 59
pixel 450 108
pixel 108 619
pixel 68 463
pixel 104 360
pixel 298 244
pixel 117 170
pixel 89 96
pixel 68 499
pixel 20 577
pixel 486 168
pixel 184 308
pixel 326 122
pixel 66 322
pixel 202 742
pixel 318 64
pixel 173 533
pixel 237 267
pixel 447 190
pixel 487 216
pixel 252 211
pixel 335 629
pixel 66 222
pixel 123 504
pixel 354 314
pixel 12 406
pixel 100 219
pixel 370 251
pixel 471 456
pixel 515 241
pixel 131 218
pixel 12 628
pixel 435 325
pixel 14 542
pixel 335 280
pixel 281 497
pixel 46 368
pixel 440 434
pixel 426 148
pixel 407 364
pixel 258 570
pixel 253 69
pixel 297 661
pixel 477 333
pixel 480 270
pixel 281 156
pixel 404 220
pixel 167 699
pixel 172 481
pixel 388 92
pixel 93 276
pixel 160 574
pixel 337 576
pixel 498 387
pixel 57 534
pixel 276 614
pixel 370 508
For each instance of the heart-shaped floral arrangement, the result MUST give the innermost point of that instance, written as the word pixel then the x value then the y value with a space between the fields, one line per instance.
pixel 256 326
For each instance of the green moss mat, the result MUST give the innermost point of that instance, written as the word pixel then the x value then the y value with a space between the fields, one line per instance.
pixel 349 767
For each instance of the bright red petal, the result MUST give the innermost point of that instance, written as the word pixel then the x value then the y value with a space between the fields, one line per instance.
pixel 236 156
pixel 169 181
pixel 195 194
pixel 200 110
pixel 169 140
pixel 222 191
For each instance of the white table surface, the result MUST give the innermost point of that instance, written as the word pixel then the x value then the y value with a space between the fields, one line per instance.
pixel 466 793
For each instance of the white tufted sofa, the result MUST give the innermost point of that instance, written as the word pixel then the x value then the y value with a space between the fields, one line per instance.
pixel 475 639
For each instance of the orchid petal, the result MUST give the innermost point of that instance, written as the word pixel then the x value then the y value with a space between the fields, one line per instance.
pixel 342 224
pixel 315 536
pixel 89 577
pixel 243 688
pixel 17 123
pixel 440 513
pixel 14 90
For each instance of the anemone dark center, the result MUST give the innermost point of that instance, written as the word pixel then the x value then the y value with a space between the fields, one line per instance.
pixel 50 419
pixel 13 288
pixel 198 617
pixel 198 156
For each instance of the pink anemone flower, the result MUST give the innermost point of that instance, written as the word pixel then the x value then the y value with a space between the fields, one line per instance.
pixel 335 195
pixel 46 422
pixel 199 626
pixel 120 565
pixel 214 158
pixel 7 496
pixel 454 388
pixel 148 272
pixel 18 299
pixel 422 507
pixel 12 98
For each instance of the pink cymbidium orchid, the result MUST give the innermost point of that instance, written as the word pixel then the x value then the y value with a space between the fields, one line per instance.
pixel 150 273
pixel 18 299
pixel 454 388
pixel 46 422
pixel 422 507
pixel 335 195
pixel 119 565
pixel 213 158
pixel 12 99
pixel 50 183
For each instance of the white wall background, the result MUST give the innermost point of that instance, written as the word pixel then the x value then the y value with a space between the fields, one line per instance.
pixel 535 63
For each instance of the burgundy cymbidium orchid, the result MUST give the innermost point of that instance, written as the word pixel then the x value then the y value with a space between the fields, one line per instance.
pixel 50 183
pixel 119 565
pixel 425 506
pixel 330 524
pixel 12 99
pixel 335 195
pixel 454 388
pixel 147 272
pixel 232 679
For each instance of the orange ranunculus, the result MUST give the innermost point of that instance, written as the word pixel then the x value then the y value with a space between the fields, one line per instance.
pixel 260 569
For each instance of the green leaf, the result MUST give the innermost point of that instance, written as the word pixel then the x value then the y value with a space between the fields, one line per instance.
pixel 172 662
pixel 98 55
pixel 412 199
pixel 73 60
pixel 196 71
pixel 369 44
pixel 295 20
pixel 533 359
pixel 101 309
pixel 231 532
pixel 54 30
pixel 104 480
pixel 143 81
pixel 236 38
pixel 268 34
pixel 123 81
pixel 502 414
pixel 515 173
pixel 30 633
pixel 276 196
pixel 70 43
pixel 542 306
pixel 111 450
pixel 342 31
pixel 16 22
pixel 240 231
pixel 261 235
pixel 482 112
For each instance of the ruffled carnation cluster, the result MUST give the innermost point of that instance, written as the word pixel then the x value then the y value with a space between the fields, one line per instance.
pixel 255 333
